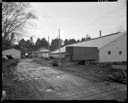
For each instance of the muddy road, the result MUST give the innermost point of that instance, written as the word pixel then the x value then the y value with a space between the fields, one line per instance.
pixel 48 83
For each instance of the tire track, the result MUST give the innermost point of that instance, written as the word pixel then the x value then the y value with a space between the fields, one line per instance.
pixel 30 83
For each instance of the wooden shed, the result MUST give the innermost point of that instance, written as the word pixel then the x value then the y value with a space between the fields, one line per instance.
pixel 16 54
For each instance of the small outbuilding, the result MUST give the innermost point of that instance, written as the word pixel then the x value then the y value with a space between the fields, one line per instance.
pixel 42 52
pixel 16 54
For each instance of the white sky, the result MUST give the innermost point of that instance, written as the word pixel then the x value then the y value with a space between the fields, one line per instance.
pixel 76 19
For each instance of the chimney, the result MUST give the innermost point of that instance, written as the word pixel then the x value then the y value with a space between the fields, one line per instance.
pixel 100 33
pixel 48 43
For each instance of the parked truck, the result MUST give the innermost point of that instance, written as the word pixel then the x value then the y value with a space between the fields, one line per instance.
pixel 82 54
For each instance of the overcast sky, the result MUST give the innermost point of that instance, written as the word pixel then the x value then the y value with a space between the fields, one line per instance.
pixel 76 19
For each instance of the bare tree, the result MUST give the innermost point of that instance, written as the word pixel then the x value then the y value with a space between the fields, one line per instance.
pixel 14 17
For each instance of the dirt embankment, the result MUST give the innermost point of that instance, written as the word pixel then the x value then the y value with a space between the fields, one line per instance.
pixel 14 88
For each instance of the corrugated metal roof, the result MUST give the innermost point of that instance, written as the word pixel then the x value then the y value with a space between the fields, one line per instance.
pixel 96 42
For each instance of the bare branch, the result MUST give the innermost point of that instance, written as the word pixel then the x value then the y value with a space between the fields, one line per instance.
pixel 14 17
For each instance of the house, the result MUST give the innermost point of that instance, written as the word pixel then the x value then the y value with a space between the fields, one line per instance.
pixel 16 54
pixel 112 47
pixel 42 52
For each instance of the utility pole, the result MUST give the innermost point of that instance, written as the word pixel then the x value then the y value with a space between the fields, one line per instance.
pixel 48 46
pixel 100 33
pixel 48 43
pixel 59 43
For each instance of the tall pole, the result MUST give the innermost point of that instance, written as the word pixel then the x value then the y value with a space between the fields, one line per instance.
pixel 48 46
pixel 100 33
pixel 59 42
pixel 48 43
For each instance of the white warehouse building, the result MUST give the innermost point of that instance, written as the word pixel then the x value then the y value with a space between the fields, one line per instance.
pixel 112 47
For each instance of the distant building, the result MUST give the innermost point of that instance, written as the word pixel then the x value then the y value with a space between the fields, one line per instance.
pixel 42 52
pixel 112 48
pixel 13 52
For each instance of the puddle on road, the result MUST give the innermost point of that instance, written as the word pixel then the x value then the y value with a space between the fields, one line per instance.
pixel 49 90
pixel 58 77
pixel 36 77
pixel 21 78
pixel 53 76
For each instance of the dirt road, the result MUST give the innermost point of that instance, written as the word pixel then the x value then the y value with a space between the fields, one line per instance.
pixel 48 83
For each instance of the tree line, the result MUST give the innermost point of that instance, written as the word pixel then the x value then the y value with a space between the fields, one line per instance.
pixel 55 42
pixel 30 46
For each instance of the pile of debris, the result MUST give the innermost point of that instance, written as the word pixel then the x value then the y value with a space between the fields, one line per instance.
pixel 115 72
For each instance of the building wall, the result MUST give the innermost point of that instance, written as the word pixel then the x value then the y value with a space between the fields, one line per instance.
pixel 117 45
pixel 14 53
pixel 45 54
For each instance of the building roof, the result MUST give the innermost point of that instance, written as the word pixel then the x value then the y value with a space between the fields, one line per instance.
pixel 95 42
pixel 41 50
pixel 10 50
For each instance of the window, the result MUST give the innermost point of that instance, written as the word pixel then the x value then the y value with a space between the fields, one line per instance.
pixel 109 52
pixel 120 52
